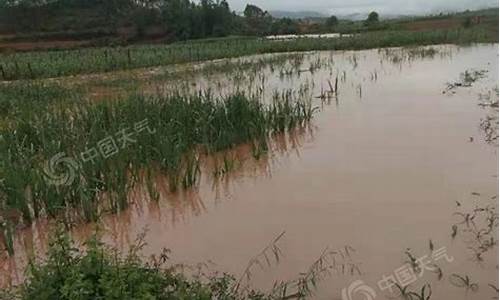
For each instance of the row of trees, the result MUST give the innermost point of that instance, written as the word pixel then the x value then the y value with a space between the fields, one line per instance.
pixel 179 19
pixel 186 20
pixel 183 19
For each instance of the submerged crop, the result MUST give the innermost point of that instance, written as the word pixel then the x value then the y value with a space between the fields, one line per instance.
pixel 106 147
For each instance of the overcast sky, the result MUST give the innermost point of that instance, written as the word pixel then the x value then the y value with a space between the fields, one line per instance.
pixel 362 6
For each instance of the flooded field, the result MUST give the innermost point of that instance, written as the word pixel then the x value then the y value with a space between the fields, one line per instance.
pixel 399 165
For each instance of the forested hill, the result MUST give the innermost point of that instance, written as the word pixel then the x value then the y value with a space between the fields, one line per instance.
pixel 78 23
pixel 179 17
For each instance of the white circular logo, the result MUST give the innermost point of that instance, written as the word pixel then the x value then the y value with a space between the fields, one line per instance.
pixel 358 287
pixel 64 175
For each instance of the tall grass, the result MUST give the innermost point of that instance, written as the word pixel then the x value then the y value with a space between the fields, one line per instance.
pixel 71 62
pixel 179 129
pixel 20 99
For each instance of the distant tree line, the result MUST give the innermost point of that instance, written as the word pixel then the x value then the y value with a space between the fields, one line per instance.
pixel 176 19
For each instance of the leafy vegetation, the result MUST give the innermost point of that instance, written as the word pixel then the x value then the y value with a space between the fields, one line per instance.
pixel 20 97
pixel 101 272
pixel 96 271
pixel 372 18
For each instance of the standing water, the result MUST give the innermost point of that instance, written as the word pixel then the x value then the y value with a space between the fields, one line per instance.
pixel 382 177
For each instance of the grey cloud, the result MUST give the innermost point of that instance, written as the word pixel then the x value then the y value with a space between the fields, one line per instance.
pixel 363 6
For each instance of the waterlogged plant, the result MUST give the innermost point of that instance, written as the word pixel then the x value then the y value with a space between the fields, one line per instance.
pixel 270 253
pixel 305 285
pixel 495 288
pixel 480 227
pixel 454 231
pixel 470 76
pixel 467 78
pixel 20 100
pixel 412 261
pixel 96 271
pixel 425 293
pixel 418 265
pixel 402 55
pixel 489 124
pixel 7 234
pixel 228 165
pixel 101 272
pixel 180 127
pixel 463 282
pixel 330 260
pixel 405 293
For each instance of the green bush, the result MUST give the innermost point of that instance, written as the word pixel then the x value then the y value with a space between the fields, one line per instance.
pixel 104 273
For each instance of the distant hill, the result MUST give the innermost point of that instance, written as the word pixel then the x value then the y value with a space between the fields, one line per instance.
pixel 363 16
pixel 359 16
pixel 297 14
pixel 319 15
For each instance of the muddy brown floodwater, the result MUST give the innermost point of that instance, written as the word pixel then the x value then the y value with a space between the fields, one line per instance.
pixel 380 170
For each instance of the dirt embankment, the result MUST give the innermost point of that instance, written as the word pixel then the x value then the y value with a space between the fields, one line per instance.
pixel 79 39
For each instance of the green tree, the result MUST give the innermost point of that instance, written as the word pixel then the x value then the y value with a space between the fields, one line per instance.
pixel 467 22
pixel 216 18
pixel 331 22
pixel 372 18
pixel 253 11
pixel 178 18
pixel 285 26
pixel 224 19
pixel 258 21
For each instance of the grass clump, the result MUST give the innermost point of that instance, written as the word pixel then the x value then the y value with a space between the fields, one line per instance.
pixel 20 99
